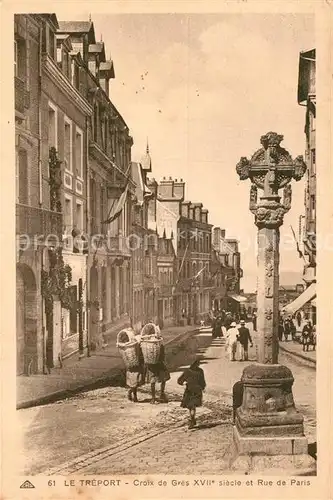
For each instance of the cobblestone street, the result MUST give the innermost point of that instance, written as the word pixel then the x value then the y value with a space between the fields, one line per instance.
pixel 102 432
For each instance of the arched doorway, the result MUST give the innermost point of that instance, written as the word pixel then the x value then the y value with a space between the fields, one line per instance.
pixel 26 320
pixel 94 308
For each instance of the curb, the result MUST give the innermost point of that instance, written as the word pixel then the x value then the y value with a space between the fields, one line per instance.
pixel 298 355
pixel 93 384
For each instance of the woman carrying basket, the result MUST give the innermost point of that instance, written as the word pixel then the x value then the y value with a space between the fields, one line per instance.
pixel 157 372
pixel 129 346
pixel 135 377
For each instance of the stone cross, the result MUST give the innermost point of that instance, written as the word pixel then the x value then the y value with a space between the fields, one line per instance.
pixel 270 169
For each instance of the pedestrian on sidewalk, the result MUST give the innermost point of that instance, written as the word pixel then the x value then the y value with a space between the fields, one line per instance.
pixel 306 335
pixel 232 340
pixel 281 329
pixel 244 338
pixel 287 329
pixel 194 379
pixel 254 321
pixel 158 372
pixel 237 397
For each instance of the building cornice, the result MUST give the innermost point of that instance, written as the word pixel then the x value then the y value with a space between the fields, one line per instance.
pixel 65 86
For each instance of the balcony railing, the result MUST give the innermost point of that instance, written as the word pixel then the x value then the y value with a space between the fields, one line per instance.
pixel 34 221
pixel 22 96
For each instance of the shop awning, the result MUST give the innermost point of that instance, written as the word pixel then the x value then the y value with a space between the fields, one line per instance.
pixel 237 298
pixel 308 294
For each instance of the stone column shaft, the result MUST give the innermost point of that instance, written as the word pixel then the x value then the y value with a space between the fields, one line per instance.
pixel 268 294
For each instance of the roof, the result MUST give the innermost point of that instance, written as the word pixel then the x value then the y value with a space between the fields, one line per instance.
pixel 301 300
pixel 146 160
pixel 78 27
pixel 107 67
pixel 306 75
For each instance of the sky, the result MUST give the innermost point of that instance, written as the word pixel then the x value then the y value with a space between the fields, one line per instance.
pixel 203 88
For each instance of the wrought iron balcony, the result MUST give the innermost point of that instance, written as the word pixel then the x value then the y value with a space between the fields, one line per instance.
pixel 34 221
pixel 22 96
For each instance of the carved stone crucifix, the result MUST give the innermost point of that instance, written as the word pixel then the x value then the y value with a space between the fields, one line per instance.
pixel 270 169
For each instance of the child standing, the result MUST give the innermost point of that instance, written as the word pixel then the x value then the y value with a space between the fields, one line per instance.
pixel 195 382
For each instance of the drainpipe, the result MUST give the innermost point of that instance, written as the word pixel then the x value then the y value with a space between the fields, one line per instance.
pixel 88 236
pixel 40 186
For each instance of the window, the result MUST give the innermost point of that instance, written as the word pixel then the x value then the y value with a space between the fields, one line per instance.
pixel 68 213
pixel 51 47
pixel 20 58
pixel 79 215
pixel 73 310
pixel 22 193
pixel 313 122
pixel 313 160
pixel 75 74
pixel 106 126
pixel 15 58
pixel 79 153
pixel 95 123
pixel 59 55
pixel 53 136
pixel 68 145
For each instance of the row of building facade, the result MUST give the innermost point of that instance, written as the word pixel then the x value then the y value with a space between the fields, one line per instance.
pixel 100 244
pixel 306 97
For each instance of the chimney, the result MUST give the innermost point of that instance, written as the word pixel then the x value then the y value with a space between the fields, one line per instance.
pixel 185 209
pixel 165 188
pixel 191 211
pixel 197 211
pixel 179 189
pixel 204 215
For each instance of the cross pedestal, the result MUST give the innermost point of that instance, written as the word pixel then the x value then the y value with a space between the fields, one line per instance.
pixel 269 432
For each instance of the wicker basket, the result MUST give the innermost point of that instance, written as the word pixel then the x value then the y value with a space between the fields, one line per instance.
pixel 149 329
pixel 128 348
pixel 151 350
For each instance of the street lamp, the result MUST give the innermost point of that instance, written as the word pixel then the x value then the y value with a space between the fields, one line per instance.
pixel 267 423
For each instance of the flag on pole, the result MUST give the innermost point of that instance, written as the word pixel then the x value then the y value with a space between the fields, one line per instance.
pixel 300 253
pixel 118 207
pixel 199 272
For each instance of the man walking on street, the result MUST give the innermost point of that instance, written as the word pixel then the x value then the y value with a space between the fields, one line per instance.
pixel 232 339
pixel 244 338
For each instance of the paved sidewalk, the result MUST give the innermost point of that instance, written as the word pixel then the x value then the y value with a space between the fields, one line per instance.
pixel 296 349
pixel 89 372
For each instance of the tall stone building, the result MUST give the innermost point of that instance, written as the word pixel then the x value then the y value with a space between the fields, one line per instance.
pixel 186 225
pixel 35 218
pixel 74 194
pixel 109 174
pixel 227 291
pixel 307 229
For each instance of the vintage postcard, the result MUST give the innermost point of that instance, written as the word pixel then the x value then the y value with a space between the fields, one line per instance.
pixel 168 269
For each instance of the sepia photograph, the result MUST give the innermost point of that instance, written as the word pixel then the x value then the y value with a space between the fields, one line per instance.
pixel 165 238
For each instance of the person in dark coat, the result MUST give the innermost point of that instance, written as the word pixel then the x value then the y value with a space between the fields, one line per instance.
pixel 244 338
pixel 194 379
pixel 281 330
pixel 254 321
pixel 237 397
pixel 307 335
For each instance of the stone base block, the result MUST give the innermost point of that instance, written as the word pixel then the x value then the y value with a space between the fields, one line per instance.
pixel 278 465
pixel 270 445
